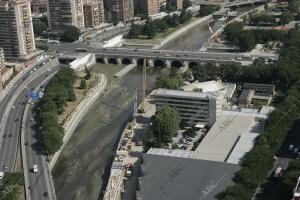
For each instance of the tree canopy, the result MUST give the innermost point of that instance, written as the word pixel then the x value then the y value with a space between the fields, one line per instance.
pixel 70 34
pixel 165 124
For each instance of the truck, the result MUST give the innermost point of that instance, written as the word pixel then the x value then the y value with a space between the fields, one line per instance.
pixel 34 169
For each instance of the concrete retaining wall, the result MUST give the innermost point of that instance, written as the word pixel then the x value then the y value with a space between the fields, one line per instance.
pixel 71 124
pixel 86 61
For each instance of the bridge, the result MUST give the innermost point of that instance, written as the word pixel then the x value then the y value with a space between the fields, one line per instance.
pixel 230 4
pixel 169 58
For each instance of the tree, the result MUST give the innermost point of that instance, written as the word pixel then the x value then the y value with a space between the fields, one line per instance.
pixel 287 17
pixel 165 124
pixel 207 10
pixel 83 84
pixel 294 6
pixel 186 4
pixel 134 31
pixel 39 27
pixel 88 73
pixel 170 7
pixel 150 29
pixel 247 41
pixel 70 34
pixel 43 47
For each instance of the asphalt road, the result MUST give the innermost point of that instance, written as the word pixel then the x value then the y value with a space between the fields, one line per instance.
pixel 11 127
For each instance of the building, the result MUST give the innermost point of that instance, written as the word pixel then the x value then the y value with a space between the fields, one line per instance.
pixel 177 4
pixel 177 178
pixel 101 11
pixel 91 14
pixel 38 6
pixel 16 32
pixel 194 108
pixel 260 89
pixel 149 6
pixel 246 97
pixel 63 13
pixel 122 10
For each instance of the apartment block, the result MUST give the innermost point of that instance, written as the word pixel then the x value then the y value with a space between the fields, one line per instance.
pixel 194 108
pixel 91 14
pixel 101 11
pixel 149 6
pixel 38 6
pixel 122 9
pixel 16 32
pixel 64 13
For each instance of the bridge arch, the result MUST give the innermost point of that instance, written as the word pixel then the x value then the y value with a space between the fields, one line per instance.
pixel 176 63
pixel 140 62
pixel 113 61
pixel 100 60
pixel 126 61
pixel 159 63
pixel 193 64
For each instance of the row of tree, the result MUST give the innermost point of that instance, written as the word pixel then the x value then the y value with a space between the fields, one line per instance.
pixel 58 92
pixel 208 9
pixel 173 82
pixel 152 27
pixel 247 39
pixel 259 161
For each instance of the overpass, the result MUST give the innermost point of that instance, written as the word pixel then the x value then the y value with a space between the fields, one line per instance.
pixel 230 4
pixel 171 58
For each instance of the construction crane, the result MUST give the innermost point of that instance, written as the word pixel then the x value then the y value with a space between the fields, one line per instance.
pixel 142 108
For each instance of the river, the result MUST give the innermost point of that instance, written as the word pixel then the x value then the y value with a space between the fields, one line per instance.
pixel 83 165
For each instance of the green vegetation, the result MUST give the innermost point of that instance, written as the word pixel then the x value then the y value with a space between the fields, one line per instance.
pixel 262 19
pixel 43 47
pixel 39 27
pixel 208 9
pixel 165 125
pixel 259 160
pixel 287 17
pixel 196 143
pixel 173 82
pixel 58 92
pixel 152 27
pixel 186 4
pixel 290 178
pixel 10 185
pixel 70 34
pixel 83 84
pixel 247 39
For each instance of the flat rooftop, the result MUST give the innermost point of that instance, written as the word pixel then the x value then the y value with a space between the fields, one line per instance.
pixel 180 93
pixel 222 137
pixel 167 152
pixel 173 178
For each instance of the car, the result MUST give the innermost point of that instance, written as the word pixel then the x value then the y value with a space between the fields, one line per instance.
pixel 13 107
pixel 30 188
pixel 46 194
pixel 278 172
pixel 135 50
pixel 177 56
pixel 26 143
pixel 4 136
pixel 4 166
pixel 9 135
pixel 1 175
pixel 35 169
pixel 16 120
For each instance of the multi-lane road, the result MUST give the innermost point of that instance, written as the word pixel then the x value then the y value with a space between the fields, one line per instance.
pixel 13 106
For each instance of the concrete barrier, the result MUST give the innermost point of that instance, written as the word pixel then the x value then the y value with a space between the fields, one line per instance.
pixel 78 114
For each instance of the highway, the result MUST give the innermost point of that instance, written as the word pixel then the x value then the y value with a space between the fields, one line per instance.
pixel 38 185
pixel 14 104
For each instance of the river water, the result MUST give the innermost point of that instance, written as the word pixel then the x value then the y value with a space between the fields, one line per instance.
pixel 84 163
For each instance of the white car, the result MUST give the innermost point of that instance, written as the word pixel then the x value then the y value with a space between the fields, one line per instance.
pixel 1 175
pixel 34 169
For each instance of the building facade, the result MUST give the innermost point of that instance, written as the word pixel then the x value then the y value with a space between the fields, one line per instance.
pixel 64 13
pixel 149 6
pixel 38 6
pixel 122 10
pixel 101 11
pixel 16 32
pixel 193 107
pixel 260 89
pixel 91 14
